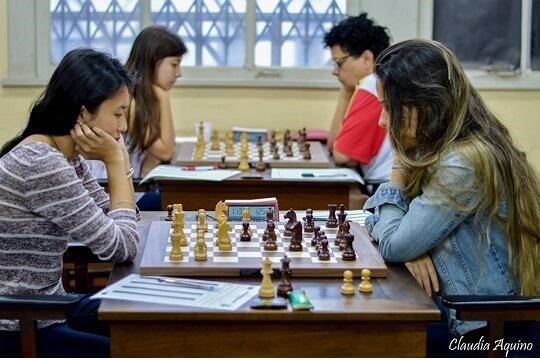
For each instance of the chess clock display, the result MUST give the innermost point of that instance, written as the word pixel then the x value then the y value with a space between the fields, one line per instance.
pixel 258 209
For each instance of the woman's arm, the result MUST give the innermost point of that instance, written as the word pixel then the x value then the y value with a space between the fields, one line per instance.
pixel 407 230
pixel 344 98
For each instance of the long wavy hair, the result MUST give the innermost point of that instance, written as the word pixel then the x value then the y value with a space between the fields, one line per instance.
pixel 84 77
pixel 426 76
pixel 153 44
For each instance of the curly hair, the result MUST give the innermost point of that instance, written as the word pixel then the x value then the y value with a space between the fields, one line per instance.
pixel 357 34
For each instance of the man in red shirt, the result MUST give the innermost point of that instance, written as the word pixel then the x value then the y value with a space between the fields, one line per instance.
pixel 355 137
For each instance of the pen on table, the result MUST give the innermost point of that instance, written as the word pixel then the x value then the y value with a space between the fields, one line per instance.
pixel 312 175
pixel 198 168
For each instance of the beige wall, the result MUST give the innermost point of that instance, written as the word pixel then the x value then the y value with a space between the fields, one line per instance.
pixel 270 108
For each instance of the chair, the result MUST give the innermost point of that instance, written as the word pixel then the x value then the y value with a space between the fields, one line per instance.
pixel 496 310
pixel 28 309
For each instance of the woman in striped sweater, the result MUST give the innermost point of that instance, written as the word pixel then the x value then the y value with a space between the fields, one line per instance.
pixel 48 196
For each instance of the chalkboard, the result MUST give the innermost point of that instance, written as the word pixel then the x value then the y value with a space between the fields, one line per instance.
pixel 480 32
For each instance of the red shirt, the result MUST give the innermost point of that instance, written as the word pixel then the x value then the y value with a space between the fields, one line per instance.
pixel 361 137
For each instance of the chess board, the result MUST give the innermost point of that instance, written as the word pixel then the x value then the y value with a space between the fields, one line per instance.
pixel 246 257
pixel 319 156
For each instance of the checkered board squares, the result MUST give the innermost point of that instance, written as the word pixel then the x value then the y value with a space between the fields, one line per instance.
pixel 319 155
pixel 255 247
pixel 246 257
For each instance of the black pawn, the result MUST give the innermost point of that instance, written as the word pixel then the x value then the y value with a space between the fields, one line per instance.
pixel 285 285
pixel 270 244
pixel 315 238
pixel 348 253
pixel 309 224
pixel 245 233
pixel 222 164
pixel 343 241
pixel 324 255
pixel 322 237
pixel 169 213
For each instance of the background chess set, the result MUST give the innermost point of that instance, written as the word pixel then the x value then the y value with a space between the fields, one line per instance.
pixel 319 157
pixel 246 257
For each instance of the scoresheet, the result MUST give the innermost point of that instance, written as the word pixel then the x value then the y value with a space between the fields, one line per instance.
pixel 180 291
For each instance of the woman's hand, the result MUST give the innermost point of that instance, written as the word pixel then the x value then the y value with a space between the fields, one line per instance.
pixel 160 93
pixel 95 144
pixel 424 272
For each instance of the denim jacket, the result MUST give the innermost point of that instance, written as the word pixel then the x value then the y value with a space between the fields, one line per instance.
pixel 468 250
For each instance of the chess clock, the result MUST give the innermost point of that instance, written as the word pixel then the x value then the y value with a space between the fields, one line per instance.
pixel 258 211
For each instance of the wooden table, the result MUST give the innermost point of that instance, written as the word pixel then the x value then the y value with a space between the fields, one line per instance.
pixel 296 194
pixel 391 321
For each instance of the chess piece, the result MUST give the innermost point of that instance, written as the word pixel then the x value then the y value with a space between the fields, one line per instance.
pixel 318 247
pixel 324 255
pixel 288 150
pixel 169 213
pixel 202 224
pixel 365 285
pixel 276 154
pixel 348 253
pixel 285 285
pixel 221 209
pixel 315 238
pixel 259 141
pixel 201 249
pixel 245 236
pixel 270 244
pixel 244 164
pixel 269 214
pixel 291 216
pixel 224 239
pixel 215 146
pixel 347 287
pixel 176 250
pixel 223 163
pixel 286 137
pixel 178 228
pixel 306 155
pixel 246 217
pixel 331 222
pixel 309 224
pixel 244 137
pixel 296 239
pixel 267 289
pixel 260 166
pixel 346 226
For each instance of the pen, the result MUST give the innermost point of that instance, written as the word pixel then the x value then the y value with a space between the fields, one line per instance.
pixel 198 168
pixel 312 175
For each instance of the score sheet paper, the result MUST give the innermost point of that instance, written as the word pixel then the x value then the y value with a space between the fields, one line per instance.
pixel 213 295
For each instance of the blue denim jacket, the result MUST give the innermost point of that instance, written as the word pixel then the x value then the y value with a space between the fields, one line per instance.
pixel 468 251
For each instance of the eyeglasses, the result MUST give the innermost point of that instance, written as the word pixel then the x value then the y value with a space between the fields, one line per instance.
pixel 338 63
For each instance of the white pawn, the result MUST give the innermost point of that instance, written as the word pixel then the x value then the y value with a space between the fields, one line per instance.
pixel 267 289
pixel 365 285
pixel 200 247
pixel 201 221
pixel 347 288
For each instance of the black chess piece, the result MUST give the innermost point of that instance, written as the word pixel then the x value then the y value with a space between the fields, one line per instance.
pixel 222 164
pixel 331 221
pixel 270 244
pixel 309 224
pixel 285 285
pixel 169 213
pixel 348 253
pixel 343 240
pixel 315 238
pixel 306 154
pixel 340 234
pixel 269 214
pixel 324 255
pixel 288 150
pixel 296 239
pixel 245 232
pixel 261 165
pixel 276 154
pixel 259 141
pixel 322 236
pixel 288 228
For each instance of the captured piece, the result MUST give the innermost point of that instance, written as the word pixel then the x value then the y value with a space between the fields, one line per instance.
pixel 285 285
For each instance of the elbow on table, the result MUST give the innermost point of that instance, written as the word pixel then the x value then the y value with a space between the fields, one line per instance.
pixel 393 251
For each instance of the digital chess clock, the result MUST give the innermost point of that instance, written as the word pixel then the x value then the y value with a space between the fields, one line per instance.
pixel 258 210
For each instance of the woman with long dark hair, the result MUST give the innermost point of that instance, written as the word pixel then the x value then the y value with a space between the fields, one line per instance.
pixel 49 196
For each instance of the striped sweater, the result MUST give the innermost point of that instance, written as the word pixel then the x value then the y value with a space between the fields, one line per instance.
pixel 47 200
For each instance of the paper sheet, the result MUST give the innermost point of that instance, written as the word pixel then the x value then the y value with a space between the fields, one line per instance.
pixel 176 173
pixel 180 291
pixel 316 174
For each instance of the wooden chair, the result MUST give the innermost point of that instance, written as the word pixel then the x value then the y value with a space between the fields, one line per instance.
pixel 495 309
pixel 28 309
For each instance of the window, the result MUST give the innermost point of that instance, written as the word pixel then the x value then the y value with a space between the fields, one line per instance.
pixel 275 42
